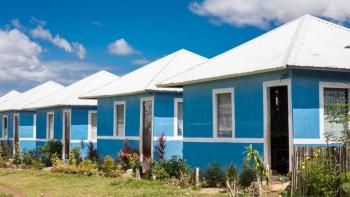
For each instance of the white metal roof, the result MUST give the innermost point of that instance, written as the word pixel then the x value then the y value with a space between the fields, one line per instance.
pixel 29 96
pixel 307 42
pixel 146 77
pixel 10 95
pixel 69 96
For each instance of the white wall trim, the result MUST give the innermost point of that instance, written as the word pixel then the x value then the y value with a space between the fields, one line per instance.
pixel 224 140
pixel 214 102
pixel 266 98
pixel 143 99
pixel 47 125
pixel 3 127
pixel 119 137
pixel 176 103
pixel 322 86
pixel 90 112
pixel 309 141
pixel 169 138
pixel 116 103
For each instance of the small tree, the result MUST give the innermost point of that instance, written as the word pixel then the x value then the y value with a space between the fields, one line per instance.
pixel 92 152
pixel 256 162
pixel 161 146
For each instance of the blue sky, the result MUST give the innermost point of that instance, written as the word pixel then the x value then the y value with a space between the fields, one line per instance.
pixel 67 40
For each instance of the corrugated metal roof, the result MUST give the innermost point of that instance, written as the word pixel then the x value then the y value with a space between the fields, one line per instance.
pixel 10 95
pixel 305 42
pixel 146 77
pixel 38 92
pixel 69 96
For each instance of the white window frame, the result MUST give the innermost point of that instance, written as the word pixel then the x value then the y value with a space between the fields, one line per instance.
pixel 47 125
pixel 116 103
pixel 214 101
pixel 176 102
pixel 3 126
pixel 322 86
pixel 89 125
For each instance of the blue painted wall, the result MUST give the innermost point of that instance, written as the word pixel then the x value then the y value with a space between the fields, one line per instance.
pixel 163 122
pixel 305 98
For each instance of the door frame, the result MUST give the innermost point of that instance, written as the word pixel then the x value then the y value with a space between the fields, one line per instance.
pixel 143 99
pixel 13 130
pixel 63 131
pixel 89 125
pixel 267 133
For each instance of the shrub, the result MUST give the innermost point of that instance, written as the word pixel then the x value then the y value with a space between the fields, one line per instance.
pixel 215 177
pixel 159 170
pixel 231 175
pixel 129 157
pixel 87 167
pixel 160 147
pixel 177 167
pixel 49 150
pixel 92 152
pixel 246 178
pixel 75 156
pixel 110 168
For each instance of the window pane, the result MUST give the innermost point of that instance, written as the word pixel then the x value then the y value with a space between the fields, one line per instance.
pixel 120 120
pixel 224 115
pixel 179 118
pixel 93 126
pixel 335 101
pixel 50 126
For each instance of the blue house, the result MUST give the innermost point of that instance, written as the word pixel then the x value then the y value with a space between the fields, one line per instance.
pixel 273 92
pixel 18 124
pixel 134 109
pixel 64 116
pixel 4 118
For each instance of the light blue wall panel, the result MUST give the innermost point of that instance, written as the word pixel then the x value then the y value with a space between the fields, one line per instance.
pixel 26 126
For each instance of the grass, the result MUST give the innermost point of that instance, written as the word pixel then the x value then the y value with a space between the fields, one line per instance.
pixel 41 183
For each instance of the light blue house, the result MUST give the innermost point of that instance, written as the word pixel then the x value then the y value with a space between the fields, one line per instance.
pixel 4 118
pixel 134 109
pixel 273 92
pixel 64 116
pixel 18 124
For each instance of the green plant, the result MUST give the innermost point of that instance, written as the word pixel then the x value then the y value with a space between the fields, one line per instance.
pixel 75 156
pixel 49 150
pixel 161 146
pixel 215 177
pixel 159 170
pixel 16 157
pixel 177 167
pixel 231 176
pixel 92 152
pixel 87 167
pixel 110 168
pixel 246 178
pixel 127 153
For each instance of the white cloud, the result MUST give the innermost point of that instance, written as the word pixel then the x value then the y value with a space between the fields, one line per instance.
pixel 74 47
pixel 142 61
pixel 21 66
pixel 16 23
pixel 121 47
pixel 261 13
pixel 96 23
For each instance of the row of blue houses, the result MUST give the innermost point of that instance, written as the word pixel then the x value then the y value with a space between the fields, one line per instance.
pixel 272 92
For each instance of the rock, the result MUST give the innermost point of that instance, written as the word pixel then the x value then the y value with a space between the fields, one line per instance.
pixel 128 174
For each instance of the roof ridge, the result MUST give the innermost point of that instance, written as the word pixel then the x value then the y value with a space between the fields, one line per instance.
pixel 164 68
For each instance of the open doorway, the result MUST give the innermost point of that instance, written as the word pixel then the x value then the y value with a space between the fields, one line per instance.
pixel 146 128
pixel 66 133
pixel 279 129
pixel 15 133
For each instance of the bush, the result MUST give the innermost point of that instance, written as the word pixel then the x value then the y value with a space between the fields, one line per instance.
pixel 92 152
pixel 129 157
pixel 49 150
pixel 160 147
pixel 175 168
pixel 75 156
pixel 246 178
pixel 87 167
pixel 159 170
pixel 110 168
pixel 215 177
pixel 31 160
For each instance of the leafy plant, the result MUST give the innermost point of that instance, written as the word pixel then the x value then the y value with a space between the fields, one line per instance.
pixel 159 170
pixel 246 178
pixel 215 177
pixel 161 146
pixel 92 152
pixel 75 156
pixel 129 157
pixel 49 150
pixel 110 168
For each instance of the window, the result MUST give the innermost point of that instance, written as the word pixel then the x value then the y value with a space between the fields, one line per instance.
pixel 178 117
pixel 223 113
pixel 93 126
pixel 119 118
pixel 336 101
pixel 50 125
pixel 5 127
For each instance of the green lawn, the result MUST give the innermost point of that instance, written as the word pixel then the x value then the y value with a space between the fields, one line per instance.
pixel 41 183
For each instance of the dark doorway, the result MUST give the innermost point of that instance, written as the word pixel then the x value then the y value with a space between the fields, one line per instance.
pixel 279 129
pixel 16 134
pixel 146 128
pixel 66 145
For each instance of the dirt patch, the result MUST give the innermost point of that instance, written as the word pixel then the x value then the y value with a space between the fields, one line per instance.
pixel 4 190
pixel 211 190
